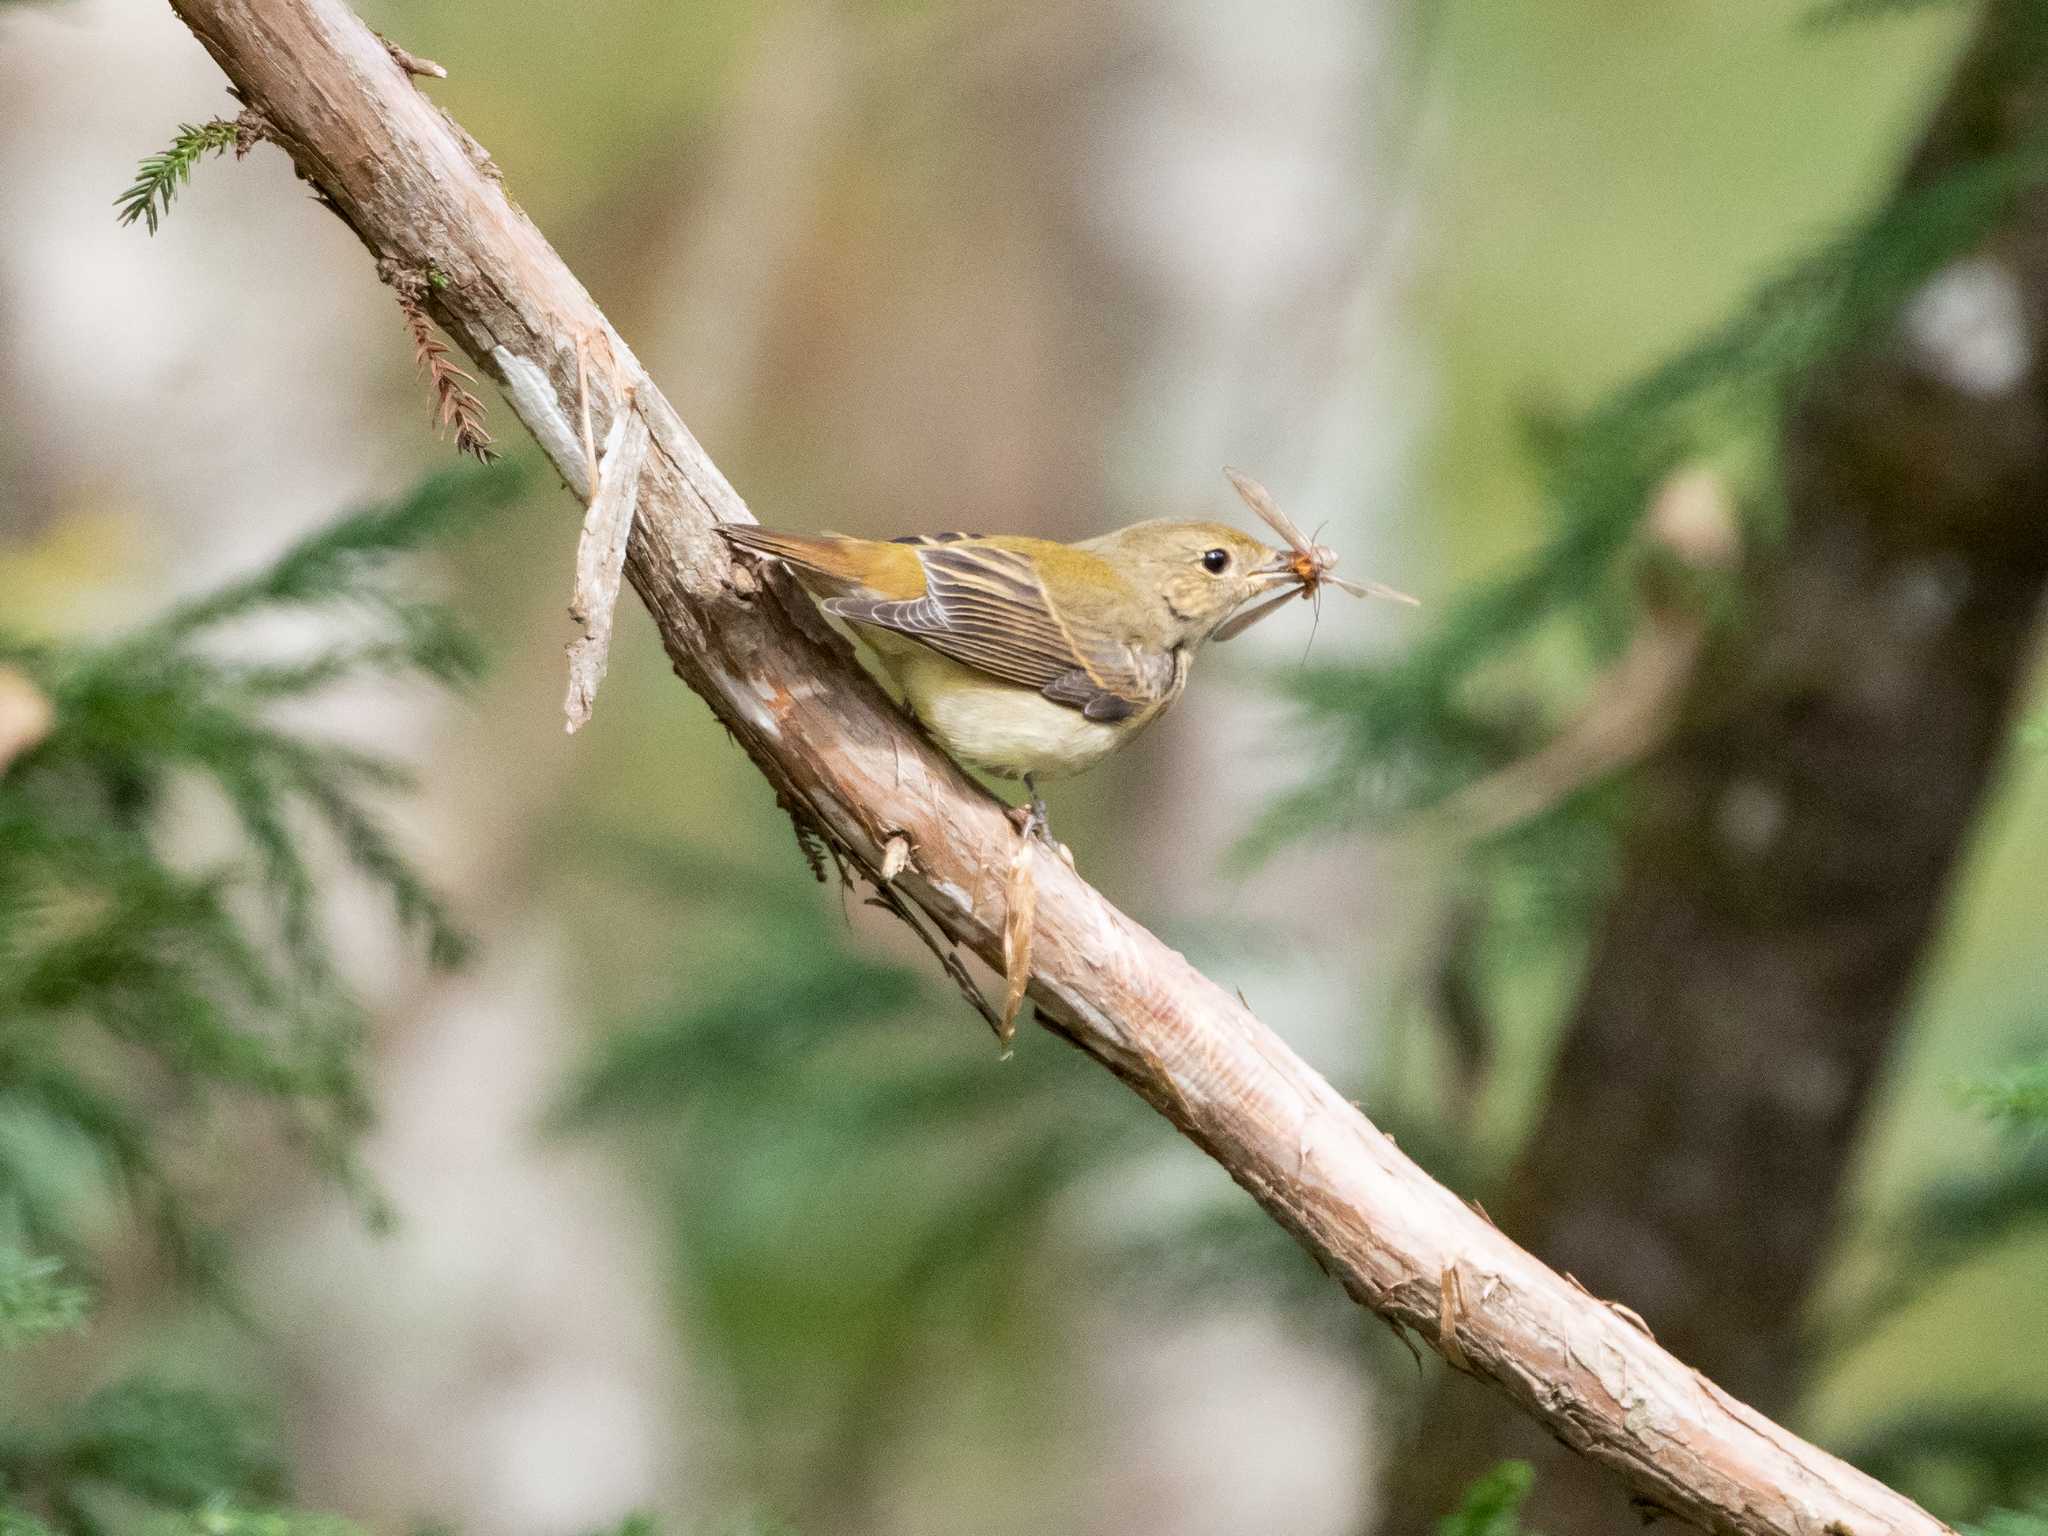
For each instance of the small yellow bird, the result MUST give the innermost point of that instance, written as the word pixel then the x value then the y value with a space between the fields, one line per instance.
pixel 1032 659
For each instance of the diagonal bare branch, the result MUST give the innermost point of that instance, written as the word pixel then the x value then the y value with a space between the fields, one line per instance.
pixel 408 181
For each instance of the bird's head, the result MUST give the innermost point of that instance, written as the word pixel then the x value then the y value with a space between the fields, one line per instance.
pixel 1201 573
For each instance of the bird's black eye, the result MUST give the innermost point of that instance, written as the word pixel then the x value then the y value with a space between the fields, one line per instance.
pixel 1216 561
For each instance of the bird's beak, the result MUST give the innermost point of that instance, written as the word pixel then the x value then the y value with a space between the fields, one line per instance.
pixel 1280 567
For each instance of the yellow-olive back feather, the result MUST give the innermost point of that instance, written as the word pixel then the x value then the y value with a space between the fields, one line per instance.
pixel 987 606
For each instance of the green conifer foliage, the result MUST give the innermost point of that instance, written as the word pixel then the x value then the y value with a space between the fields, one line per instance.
pixel 145 996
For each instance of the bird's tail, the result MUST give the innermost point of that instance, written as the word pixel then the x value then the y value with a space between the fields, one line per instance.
pixel 824 553
pixel 833 565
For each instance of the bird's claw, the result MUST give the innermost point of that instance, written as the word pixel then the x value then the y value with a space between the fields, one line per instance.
pixel 1032 821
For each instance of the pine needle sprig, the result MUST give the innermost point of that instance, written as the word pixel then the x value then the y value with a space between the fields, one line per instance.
pixel 157 702
pixel 172 1458
pixel 455 406
pixel 343 563
pixel 211 988
pixel 159 176
pixel 2016 1098
pixel 35 1298
pixel 1492 1505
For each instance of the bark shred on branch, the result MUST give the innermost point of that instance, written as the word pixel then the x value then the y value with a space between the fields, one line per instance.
pixel 413 187
pixel 614 480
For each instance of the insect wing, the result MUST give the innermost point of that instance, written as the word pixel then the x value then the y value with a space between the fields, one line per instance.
pixel 1245 618
pixel 1261 501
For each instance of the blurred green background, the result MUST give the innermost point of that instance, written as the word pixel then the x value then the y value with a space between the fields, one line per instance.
pixel 710 1199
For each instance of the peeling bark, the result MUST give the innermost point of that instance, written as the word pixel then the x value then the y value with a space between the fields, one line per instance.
pixel 418 190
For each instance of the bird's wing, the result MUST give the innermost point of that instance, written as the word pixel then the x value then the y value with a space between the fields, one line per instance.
pixel 985 607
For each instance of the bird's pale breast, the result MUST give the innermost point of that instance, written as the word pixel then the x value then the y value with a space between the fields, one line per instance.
pixel 999 727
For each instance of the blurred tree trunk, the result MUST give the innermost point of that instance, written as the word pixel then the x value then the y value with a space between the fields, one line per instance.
pixel 1795 839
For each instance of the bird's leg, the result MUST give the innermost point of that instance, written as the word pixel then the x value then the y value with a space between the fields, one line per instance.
pixel 1039 820
pixel 1033 820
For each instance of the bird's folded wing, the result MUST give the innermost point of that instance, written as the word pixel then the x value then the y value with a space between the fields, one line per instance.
pixel 985 607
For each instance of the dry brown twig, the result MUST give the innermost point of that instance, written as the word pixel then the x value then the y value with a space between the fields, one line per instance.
pixel 1020 928
pixel 834 749
pixel 455 406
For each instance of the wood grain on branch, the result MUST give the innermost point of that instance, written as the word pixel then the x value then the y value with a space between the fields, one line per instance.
pixel 420 193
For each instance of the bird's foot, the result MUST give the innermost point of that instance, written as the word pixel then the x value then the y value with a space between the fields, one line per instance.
pixel 1033 820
